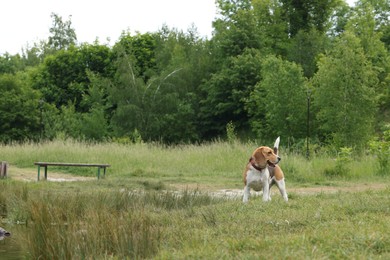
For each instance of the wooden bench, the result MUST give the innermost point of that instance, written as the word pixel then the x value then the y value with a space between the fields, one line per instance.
pixel 46 164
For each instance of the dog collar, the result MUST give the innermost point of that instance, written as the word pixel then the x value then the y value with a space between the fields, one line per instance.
pixel 251 161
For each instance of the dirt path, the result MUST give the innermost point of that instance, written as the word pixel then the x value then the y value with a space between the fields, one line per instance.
pixel 353 187
pixel 31 175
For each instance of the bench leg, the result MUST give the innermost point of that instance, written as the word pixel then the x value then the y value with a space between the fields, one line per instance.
pixel 104 172
pixel 39 172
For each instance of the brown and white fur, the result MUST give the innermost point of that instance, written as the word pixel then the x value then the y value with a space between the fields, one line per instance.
pixel 262 172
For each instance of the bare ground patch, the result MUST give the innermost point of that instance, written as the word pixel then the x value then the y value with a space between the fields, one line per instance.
pixel 32 175
pixel 353 187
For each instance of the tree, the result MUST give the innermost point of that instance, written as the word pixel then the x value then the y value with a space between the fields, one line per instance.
pixel 381 9
pixel 19 109
pixel 163 107
pixel 10 64
pixel 68 122
pixel 94 123
pixel 235 30
pixel 33 56
pixel 344 94
pixel 62 77
pixel 307 14
pixel 339 19
pixel 59 78
pixel 277 104
pixel 142 48
pixel 305 47
pixel 256 24
pixel 62 34
pixel 126 94
pixel 366 23
pixel 154 109
pixel 227 91
pixel 187 55
pixel 272 26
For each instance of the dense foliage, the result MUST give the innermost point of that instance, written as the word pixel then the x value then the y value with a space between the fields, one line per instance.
pixel 266 64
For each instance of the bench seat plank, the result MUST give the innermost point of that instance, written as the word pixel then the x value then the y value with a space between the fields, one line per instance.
pixel 72 164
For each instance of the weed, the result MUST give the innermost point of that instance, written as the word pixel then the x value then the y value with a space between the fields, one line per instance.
pixel 231 132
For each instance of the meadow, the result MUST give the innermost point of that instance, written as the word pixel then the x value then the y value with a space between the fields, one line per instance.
pixel 157 202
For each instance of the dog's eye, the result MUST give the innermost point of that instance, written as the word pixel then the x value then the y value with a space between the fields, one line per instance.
pixel 269 153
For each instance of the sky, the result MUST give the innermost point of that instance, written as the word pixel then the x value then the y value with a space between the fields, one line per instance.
pixel 25 22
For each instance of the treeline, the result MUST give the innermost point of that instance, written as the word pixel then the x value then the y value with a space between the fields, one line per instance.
pixel 272 67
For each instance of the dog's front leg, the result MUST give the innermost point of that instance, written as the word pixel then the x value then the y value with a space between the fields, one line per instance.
pixel 271 183
pixel 247 194
pixel 266 193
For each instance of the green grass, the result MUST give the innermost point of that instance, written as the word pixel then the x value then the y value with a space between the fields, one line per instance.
pixel 312 227
pixel 194 225
pixel 137 212
pixel 220 163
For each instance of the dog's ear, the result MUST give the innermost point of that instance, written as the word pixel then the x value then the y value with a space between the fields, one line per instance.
pixel 259 157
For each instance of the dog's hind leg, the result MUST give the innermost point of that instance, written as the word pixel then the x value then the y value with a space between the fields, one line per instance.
pixel 282 188
pixel 278 179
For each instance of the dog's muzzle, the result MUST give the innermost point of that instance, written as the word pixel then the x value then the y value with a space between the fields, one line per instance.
pixel 274 164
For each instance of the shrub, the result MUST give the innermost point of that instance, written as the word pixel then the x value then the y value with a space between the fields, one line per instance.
pixel 341 169
pixel 231 132
pixel 381 149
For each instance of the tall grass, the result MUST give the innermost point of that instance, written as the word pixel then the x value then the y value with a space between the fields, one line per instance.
pixel 123 224
pixel 83 228
pixel 94 224
pixel 218 162
pixel 127 159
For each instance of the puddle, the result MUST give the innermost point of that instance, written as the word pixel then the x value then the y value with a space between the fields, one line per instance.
pixel 10 248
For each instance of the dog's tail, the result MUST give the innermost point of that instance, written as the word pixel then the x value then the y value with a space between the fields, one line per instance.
pixel 276 145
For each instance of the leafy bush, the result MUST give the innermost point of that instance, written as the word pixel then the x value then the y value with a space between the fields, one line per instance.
pixel 231 132
pixel 341 168
pixel 381 148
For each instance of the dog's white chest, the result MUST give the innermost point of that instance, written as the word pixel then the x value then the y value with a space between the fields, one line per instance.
pixel 256 179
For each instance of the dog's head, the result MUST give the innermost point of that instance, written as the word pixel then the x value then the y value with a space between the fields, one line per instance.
pixel 265 155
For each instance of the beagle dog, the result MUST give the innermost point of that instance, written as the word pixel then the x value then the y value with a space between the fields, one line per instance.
pixel 262 172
